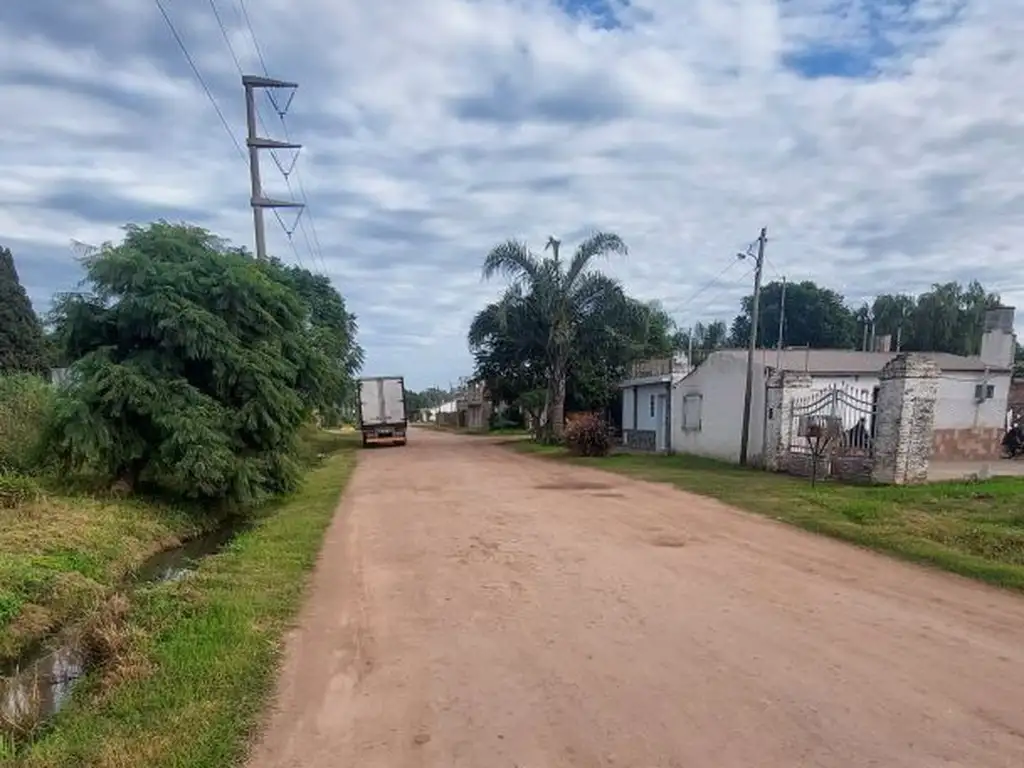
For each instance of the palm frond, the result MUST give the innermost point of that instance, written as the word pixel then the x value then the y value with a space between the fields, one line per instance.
pixel 512 259
pixel 598 244
pixel 593 291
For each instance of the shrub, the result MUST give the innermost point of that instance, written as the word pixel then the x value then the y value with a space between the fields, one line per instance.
pixel 587 435
pixel 16 490
pixel 26 403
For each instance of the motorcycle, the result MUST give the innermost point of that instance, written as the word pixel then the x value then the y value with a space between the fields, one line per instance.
pixel 1013 442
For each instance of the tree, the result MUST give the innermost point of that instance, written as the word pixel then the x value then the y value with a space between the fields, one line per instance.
pixel 193 371
pixel 949 318
pixel 814 316
pixel 332 330
pixel 21 336
pixel 509 341
pixel 562 296
pixel 618 333
pixel 703 339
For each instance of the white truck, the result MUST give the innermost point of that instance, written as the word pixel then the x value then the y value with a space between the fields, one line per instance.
pixel 382 409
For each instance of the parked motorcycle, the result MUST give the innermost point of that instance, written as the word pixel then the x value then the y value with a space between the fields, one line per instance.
pixel 1013 442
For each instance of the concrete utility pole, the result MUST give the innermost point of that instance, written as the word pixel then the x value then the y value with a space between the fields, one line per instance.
pixel 755 310
pixel 782 326
pixel 255 144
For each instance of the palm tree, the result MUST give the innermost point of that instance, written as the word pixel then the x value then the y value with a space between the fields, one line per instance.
pixel 559 297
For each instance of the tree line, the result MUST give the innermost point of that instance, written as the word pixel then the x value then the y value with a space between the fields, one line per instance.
pixel 947 318
pixel 192 367
pixel 562 334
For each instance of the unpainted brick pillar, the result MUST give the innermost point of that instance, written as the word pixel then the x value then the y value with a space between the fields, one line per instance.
pixel 905 419
pixel 783 388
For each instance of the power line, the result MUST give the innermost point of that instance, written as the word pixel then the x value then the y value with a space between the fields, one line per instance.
pixel 252 33
pixel 227 38
pixel 199 77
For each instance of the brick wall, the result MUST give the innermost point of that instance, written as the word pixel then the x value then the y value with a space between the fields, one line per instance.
pixel 972 444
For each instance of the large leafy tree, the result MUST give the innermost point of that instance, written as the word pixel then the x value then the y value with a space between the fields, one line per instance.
pixel 193 369
pixel 562 296
pixel 508 339
pixel 814 316
pixel 619 332
pixel 22 347
pixel 331 328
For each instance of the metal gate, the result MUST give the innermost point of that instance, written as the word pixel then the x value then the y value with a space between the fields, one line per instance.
pixel 846 412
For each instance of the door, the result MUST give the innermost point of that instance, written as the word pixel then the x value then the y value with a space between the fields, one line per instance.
pixel 659 424
pixel 392 396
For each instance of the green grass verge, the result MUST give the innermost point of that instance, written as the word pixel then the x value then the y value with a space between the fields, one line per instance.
pixel 204 651
pixel 975 529
pixel 61 555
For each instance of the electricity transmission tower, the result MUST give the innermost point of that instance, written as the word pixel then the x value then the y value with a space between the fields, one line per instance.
pixel 255 143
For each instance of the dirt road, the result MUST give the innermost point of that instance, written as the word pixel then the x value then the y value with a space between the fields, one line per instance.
pixel 473 607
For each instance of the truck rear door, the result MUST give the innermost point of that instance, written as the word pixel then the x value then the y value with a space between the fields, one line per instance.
pixel 370 401
pixel 393 401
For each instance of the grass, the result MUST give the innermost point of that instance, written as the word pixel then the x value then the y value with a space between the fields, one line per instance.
pixel 203 652
pixel 975 529
pixel 61 555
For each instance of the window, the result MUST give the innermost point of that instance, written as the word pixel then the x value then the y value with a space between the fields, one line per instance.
pixel 692 405
pixel 984 392
pixel 652 406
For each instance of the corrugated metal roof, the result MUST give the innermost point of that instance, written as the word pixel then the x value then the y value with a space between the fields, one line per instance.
pixel 839 361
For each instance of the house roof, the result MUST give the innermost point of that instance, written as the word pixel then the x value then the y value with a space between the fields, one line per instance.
pixel 844 361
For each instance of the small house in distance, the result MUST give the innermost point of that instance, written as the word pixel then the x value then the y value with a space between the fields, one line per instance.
pixel 970 409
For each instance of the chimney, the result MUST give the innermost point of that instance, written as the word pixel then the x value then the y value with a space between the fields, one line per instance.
pixel 883 343
pixel 998 343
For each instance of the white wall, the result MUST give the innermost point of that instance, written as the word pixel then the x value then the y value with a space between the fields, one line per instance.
pixel 956 408
pixel 721 382
pixel 627 409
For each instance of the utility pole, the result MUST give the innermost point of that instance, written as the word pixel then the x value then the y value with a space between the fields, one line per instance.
pixel 755 310
pixel 689 349
pixel 782 322
pixel 255 143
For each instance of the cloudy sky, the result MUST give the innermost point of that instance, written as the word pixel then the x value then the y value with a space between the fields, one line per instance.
pixel 880 141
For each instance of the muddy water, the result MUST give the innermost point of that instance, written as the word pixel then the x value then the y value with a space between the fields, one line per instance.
pixel 40 685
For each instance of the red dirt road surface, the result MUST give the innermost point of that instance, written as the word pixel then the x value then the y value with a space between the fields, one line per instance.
pixel 473 607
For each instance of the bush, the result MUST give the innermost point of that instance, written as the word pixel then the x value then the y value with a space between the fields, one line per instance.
pixel 26 403
pixel 587 435
pixel 16 490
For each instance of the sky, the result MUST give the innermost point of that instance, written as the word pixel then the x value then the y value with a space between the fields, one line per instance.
pixel 879 141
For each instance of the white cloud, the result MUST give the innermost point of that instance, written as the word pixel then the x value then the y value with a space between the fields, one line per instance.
pixel 433 130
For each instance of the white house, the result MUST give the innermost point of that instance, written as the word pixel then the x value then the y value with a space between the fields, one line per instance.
pixel 706 406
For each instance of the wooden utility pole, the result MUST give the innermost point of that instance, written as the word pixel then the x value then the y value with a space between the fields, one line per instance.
pixel 255 143
pixel 755 310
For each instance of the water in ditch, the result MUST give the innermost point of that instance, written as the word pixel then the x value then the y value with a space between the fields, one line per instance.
pixel 38 686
